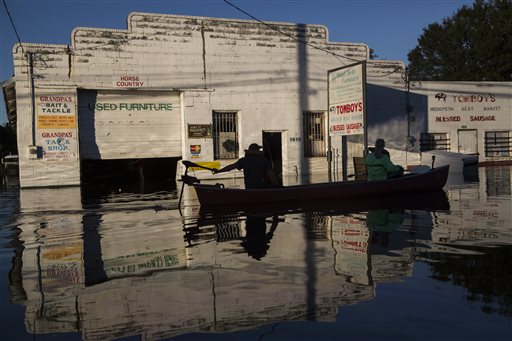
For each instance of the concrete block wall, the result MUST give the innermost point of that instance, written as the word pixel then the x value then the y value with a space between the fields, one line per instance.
pixel 263 73
pixel 51 75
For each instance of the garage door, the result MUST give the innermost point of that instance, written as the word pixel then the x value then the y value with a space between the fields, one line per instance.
pixel 129 124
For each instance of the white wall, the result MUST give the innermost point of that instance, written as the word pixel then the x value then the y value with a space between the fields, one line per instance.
pixel 460 106
pixel 217 64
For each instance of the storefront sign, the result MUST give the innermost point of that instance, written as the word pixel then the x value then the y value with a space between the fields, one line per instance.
pixel 130 81
pixel 106 106
pixel 461 109
pixel 58 145
pixel 199 130
pixel 56 111
pixel 347 100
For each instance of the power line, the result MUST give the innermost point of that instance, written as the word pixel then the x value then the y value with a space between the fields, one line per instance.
pixel 288 35
pixel 13 26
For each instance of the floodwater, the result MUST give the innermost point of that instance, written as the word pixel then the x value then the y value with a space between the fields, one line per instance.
pixel 125 263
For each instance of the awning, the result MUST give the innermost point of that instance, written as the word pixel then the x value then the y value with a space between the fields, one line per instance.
pixel 9 91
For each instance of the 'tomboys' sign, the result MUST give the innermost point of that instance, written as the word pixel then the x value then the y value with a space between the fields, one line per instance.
pixel 465 108
pixel 346 100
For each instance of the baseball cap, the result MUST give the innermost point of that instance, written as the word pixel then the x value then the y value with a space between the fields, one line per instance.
pixel 254 146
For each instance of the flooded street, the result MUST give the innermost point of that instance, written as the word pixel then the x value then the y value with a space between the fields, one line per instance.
pixel 129 263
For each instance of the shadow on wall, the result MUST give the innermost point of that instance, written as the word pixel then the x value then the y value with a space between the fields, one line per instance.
pixel 302 64
pixel 86 125
pixel 387 117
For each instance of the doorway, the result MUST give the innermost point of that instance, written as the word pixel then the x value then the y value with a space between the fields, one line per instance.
pixel 272 150
pixel 467 141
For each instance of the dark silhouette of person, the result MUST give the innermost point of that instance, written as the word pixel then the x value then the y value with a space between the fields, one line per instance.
pixel 258 172
pixel 257 240
pixel 379 166
pixel 381 223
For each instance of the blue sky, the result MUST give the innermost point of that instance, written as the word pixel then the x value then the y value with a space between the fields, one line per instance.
pixel 390 27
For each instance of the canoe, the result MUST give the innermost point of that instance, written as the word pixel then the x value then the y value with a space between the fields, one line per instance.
pixel 217 195
pixel 431 201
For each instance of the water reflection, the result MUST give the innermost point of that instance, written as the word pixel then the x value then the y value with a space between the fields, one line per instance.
pixel 127 263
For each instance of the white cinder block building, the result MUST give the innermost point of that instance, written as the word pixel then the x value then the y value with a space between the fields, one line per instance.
pixel 467 118
pixel 178 87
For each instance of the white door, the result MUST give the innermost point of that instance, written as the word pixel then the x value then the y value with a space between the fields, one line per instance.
pixel 468 141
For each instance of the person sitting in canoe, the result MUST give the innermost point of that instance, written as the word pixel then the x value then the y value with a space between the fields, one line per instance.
pixel 258 172
pixel 379 165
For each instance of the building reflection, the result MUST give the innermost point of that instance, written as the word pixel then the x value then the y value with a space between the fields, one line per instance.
pixel 132 265
pixel 479 214
pixel 497 181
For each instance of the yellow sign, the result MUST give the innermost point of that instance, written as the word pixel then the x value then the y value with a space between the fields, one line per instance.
pixel 56 122
pixel 56 111
pixel 208 164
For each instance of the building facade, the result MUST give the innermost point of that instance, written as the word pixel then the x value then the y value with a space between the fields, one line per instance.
pixel 178 87
pixel 466 117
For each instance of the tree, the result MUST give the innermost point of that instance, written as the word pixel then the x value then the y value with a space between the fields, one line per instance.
pixel 7 140
pixel 373 55
pixel 475 44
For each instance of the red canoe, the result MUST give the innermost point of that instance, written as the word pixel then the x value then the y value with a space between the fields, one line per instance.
pixel 217 195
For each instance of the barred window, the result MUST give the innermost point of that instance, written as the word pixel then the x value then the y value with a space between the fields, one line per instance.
pixel 497 143
pixel 434 141
pixel 314 134
pixel 225 135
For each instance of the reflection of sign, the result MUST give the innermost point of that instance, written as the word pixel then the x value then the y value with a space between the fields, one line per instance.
pixel 56 111
pixel 199 130
pixel 195 150
pixel 346 100
pixel 62 265
pixel 142 262
pixel 58 145
pixel 351 241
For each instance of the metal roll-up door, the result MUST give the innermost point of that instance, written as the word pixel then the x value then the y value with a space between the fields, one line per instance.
pixel 129 124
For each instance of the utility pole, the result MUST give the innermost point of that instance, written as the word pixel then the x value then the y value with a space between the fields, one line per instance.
pixel 407 111
pixel 32 95
pixel 408 83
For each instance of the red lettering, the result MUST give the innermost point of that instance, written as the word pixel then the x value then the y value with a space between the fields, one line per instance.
pixel 338 127
pixel 472 98
pixel 56 99
pixel 130 78
pixel 58 134
pixel 482 118
pixel 348 108
pixel 447 118
pixel 351 126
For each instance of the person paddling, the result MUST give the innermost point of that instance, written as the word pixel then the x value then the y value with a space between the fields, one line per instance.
pixel 258 172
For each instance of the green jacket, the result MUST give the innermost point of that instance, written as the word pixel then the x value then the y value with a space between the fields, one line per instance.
pixel 378 169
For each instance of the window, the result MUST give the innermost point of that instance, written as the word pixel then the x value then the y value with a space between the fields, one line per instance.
pixel 314 134
pixel 497 143
pixel 225 135
pixel 434 141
